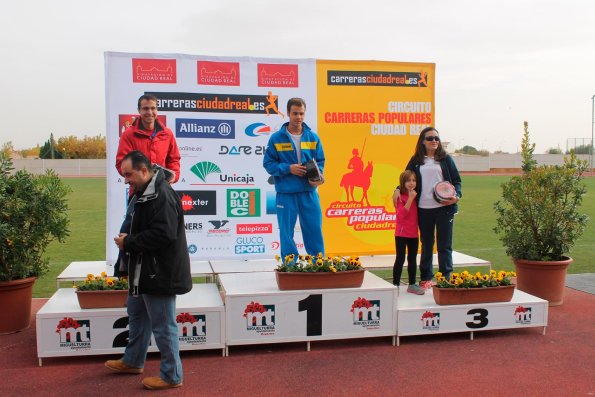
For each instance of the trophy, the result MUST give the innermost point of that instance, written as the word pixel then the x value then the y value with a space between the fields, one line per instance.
pixel 312 171
pixel 444 191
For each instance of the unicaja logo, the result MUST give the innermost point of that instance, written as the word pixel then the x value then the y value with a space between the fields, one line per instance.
pixel 366 313
pixel 204 168
pixel 75 334
pixel 522 315
pixel 260 318
pixel 430 321
pixel 192 328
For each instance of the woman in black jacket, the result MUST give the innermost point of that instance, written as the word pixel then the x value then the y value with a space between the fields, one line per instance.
pixel 431 165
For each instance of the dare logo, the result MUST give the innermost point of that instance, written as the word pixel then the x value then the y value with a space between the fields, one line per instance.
pixel 277 75
pixel 198 202
pixel 161 71
pixel 218 73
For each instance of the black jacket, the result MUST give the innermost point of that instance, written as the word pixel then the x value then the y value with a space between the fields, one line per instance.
pixel 158 254
pixel 449 172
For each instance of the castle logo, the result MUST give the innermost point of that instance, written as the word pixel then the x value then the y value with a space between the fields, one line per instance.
pixel 154 71
pixel 74 334
pixel 430 321
pixel 260 318
pixel 366 313
pixel 192 328
pixel 522 315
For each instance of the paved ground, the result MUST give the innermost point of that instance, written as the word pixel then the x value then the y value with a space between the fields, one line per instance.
pixel 516 362
pixel 583 282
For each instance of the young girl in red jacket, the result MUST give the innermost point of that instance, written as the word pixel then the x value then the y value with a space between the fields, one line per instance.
pixel 406 235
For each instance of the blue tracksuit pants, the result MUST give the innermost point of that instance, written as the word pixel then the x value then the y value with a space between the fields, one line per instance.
pixel 306 205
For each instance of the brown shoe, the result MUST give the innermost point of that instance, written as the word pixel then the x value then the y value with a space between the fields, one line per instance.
pixel 156 383
pixel 119 367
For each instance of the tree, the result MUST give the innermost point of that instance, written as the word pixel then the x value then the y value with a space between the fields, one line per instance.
pixel 527 149
pixel 6 150
pixel 582 149
pixel 472 151
pixel 554 150
pixel 87 148
pixel 49 150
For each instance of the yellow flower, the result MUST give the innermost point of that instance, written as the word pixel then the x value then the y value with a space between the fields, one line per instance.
pixel 90 276
pixel 464 273
pixel 485 277
pixel 103 274
pixel 332 269
pixel 458 281
pixel 277 258
pixel 438 275
pixel 109 281
pixel 319 255
pixel 319 262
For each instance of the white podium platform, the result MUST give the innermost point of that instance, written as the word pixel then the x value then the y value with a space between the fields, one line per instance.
pixel 77 271
pixel 420 315
pixel 201 324
pixel 240 266
pixel 258 312
pixel 378 262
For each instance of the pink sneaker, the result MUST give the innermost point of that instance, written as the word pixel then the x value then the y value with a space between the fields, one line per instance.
pixel 426 285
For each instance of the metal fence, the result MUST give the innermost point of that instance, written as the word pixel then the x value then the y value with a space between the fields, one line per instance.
pixel 493 162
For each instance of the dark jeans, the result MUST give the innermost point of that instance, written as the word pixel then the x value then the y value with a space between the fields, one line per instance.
pixel 402 243
pixel 439 220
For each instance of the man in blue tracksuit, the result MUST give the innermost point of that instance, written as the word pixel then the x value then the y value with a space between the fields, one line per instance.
pixel 288 149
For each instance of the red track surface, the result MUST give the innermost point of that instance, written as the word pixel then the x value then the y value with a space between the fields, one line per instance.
pixel 520 362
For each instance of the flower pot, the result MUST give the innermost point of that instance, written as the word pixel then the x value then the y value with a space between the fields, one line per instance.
pixel 544 279
pixel 464 296
pixel 102 299
pixel 16 297
pixel 319 280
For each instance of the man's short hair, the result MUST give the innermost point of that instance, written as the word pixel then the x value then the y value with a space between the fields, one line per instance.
pixel 146 97
pixel 138 160
pixel 295 102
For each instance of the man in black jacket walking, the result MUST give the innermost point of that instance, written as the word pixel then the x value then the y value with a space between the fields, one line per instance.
pixel 159 269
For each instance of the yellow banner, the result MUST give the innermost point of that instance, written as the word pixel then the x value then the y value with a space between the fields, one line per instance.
pixel 370 115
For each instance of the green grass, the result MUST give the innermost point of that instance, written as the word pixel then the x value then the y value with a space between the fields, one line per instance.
pixel 473 228
pixel 87 207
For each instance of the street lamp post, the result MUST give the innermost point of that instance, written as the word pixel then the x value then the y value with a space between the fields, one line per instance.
pixel 592 129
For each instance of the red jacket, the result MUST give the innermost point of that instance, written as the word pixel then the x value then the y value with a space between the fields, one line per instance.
pixel 162 149
pixel 406 220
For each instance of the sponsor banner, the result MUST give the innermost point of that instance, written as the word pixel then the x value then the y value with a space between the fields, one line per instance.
pixel 254 228
pixel 223 110
pixel 361 174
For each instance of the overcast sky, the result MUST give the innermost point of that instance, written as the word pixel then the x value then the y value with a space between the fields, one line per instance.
pixel 497 63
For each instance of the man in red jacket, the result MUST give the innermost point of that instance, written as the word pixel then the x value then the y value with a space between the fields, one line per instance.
pixel 149 136
pixel 158 143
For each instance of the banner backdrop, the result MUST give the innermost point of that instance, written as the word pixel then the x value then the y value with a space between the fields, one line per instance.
pixel 222 111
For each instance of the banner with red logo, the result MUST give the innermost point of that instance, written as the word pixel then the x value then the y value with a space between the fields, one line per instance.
pixel 222 111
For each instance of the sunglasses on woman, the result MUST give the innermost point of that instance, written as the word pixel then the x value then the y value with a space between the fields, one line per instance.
pixel 432 138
